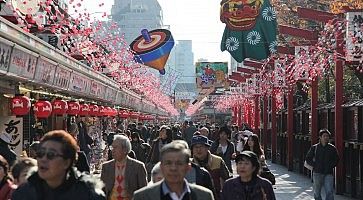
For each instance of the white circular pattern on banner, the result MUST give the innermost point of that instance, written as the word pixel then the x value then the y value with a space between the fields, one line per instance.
pixel 273 47
pixel 154 40
pixel 269 14
pixel 232 44
pixel 253 37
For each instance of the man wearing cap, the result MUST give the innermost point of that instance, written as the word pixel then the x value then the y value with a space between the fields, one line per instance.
pixel 214 164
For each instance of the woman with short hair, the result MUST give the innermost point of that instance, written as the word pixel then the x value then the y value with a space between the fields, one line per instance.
pixel 56 178
pixel 247 185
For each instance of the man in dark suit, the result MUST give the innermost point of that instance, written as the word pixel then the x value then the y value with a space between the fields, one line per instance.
pixel 174 166
pixel 122 175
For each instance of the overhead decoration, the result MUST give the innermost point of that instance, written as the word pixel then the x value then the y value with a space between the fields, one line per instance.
pixel 251 28
pixel 123 114
pixel 211 74
pixel 153 48
pixel 20 105
pixel 42 109
pixel 73 108
pixel 94 110
pixel 84 110
pixel 60 107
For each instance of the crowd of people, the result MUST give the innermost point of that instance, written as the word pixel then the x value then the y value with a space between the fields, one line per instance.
pixel 169 161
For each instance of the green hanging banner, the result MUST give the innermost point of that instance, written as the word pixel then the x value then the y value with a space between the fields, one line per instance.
pixel 251 28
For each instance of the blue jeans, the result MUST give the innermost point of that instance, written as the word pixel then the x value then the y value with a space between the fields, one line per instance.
pixel 321 180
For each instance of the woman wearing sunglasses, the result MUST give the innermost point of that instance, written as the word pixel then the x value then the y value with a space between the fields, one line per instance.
pixel 56 178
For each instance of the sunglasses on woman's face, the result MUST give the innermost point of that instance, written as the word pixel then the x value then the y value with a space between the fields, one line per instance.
pixel 50 155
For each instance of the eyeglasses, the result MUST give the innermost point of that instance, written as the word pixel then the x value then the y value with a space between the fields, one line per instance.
pixel 50 155
pixel 169 163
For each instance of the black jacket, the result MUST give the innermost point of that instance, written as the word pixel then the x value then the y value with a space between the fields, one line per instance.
pixel 227 156
pixel 82 163
pixel 200 177
pixel 76 186
pixel 326 158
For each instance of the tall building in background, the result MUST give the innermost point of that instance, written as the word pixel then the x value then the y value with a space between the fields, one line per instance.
pixel 134 15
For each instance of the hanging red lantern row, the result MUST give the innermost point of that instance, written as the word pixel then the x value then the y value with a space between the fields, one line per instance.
pixel 60 107
pixel 113 112
pixel 42 109
pixel 123 114
pixel 94 110
pixel 73 108
pixel 84 110
pixel 134 115
pixel 20 105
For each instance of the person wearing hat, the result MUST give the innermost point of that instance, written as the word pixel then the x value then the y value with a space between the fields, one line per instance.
pixel 214 164
pixel 247 185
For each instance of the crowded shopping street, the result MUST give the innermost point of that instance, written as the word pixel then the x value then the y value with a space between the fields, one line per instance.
pixel 181 100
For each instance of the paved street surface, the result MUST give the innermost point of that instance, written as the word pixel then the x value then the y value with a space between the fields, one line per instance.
pixel 290 185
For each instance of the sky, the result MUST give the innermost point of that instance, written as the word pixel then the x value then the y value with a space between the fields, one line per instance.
pixel 196 20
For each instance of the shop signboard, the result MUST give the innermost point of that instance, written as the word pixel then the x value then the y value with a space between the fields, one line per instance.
pixel 23 63
pixel 354 36
pixel 211 74
pixel 5 53
pixel 62 77
pixel 111 94
pixel 45 71
pixel 79 83
pixel 11 132
pixel 97 89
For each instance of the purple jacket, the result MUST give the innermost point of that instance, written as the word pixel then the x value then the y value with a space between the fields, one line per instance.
pixel 257 189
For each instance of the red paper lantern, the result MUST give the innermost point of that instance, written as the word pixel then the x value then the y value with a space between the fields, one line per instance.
pixel 20 105
pixel 73 108
pixel 94 110
pixel 108 111
pixel 84 109
pixel 114 112
pixel 60 107
pixel 134 115
pixel 123 114
pixel 42 109
pixel 102 112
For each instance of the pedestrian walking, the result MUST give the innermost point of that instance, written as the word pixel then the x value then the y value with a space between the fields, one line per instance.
pixel 122 175
pixel 224 148
pixel 6 185
pixel 247 185
pixel 22 169
pixel 324 157
pixel 56 178
pixel 212 163
pixel 175 163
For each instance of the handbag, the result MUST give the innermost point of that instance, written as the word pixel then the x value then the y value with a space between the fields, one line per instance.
pixel 306 164
pixel 267 174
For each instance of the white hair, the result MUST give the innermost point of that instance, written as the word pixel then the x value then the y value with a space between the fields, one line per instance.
pixel 123 141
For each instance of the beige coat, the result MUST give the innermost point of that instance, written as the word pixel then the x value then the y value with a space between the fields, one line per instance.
pixel 135 175
pixel 153 192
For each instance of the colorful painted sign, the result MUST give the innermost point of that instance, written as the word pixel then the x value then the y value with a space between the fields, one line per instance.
pixel 251 28
pixel 211 74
